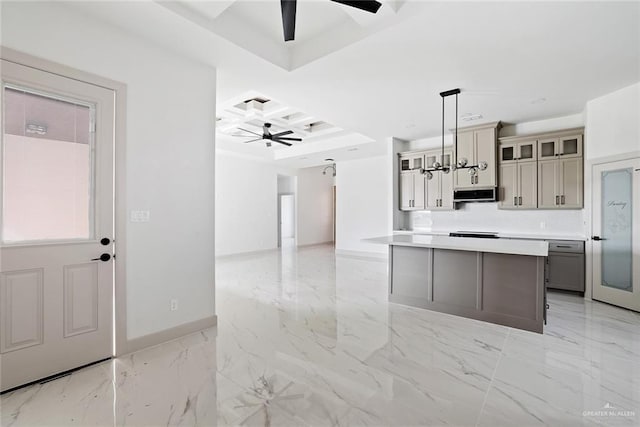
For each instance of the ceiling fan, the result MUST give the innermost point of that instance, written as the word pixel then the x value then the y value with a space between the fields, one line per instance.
pixel 289 13
pixel 267 136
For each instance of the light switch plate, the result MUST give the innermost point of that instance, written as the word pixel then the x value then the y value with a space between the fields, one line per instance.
pixel 139 216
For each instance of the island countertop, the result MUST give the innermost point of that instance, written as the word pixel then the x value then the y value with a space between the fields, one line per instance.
pixel 500 246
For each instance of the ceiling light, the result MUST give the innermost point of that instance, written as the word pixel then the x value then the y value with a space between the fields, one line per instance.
pixel 329 160
pixel 457 164
pixel 539 101
pixel 410 125
pixel 352 149
pixel 303 158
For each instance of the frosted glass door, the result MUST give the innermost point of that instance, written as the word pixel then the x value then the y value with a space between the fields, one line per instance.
pixel 616 233
pixel 617 227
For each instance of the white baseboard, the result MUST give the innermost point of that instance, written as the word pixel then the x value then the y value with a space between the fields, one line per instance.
pixel 170 334
pixel 362 254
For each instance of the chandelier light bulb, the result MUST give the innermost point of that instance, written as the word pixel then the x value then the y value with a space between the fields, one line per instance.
pixel 436 165
pixel 462 162
pixel 483 165
pixel 429 175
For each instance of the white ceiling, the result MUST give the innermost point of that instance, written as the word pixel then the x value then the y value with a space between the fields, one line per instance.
pixel 505 56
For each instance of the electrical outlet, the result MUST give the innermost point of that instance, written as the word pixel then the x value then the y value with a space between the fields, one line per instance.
pixel 543 225
pixel 174 304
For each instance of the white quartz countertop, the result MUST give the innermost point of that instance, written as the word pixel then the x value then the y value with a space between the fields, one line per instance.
pixel 507 235
pixel 501 246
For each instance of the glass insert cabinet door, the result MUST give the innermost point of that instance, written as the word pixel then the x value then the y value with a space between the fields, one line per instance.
pixel 616 239
pixel 617 226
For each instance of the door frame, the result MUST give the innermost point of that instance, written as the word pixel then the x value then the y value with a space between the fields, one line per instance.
pixel 120 344
pixel 588 210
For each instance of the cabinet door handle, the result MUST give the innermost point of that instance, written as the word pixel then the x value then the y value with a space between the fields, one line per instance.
pixel 562 199
pixel 557 200
pixel 515 201
pixel 520 200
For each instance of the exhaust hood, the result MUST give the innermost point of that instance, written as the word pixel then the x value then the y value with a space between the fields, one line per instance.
pixel 475 195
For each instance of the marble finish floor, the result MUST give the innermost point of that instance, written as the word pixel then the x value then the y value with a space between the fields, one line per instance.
pixel 307 338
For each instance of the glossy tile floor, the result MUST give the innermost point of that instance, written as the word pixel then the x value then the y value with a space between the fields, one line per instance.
pixel 305 338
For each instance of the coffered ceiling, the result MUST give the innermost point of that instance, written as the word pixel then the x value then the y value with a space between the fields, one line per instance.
pixel 240 119
pixel 322 26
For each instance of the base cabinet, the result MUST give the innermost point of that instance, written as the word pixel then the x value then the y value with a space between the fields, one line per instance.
pixel 500 288
pixel 565 266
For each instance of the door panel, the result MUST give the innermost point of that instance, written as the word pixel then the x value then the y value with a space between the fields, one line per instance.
pixel 446 191
pixel 528 185
pixel 418 190
pixel 80 299
pixel 466 150
pixel 616 220
pixel 57 203
pixel 548 195
pixel 486 152
pixel 571 183
pixel 433 190
pixel 406 190
pixel 22 312
pixel 508 186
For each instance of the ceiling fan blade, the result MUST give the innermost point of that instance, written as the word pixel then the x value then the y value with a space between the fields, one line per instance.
pixel 289 139
pixel 282 142
pixel 288 18
pixel 246 130
pixel 368 5
pixel 253 140
pixel 286 132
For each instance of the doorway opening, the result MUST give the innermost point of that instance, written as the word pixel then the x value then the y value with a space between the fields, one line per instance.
pixel 287 212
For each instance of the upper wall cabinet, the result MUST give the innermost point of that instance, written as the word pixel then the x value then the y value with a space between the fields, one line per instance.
pixel 515 151
pixel 567 146
pixel 411 162
pixel 477 144
pixel 543 171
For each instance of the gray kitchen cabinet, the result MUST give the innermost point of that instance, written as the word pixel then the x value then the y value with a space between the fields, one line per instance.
pixel 411 162
pixel 518 151
pixel 477 144
pixel 439 189
pixel 560 183
pixel 565 266
pixel 518 185
pixel 560 146
pixel 412 191
pixel 557 157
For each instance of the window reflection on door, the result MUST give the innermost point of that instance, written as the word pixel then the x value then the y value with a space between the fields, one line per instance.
pixel 617 216
pixel 47 167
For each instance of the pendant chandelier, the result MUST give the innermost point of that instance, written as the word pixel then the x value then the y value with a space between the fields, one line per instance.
pixel 456 164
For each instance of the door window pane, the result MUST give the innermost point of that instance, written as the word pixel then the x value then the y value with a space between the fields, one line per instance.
pixel 548 149
pixel 47 167
pixel 507 153
pixel 570 146
pixel 526 151
pixel 617 262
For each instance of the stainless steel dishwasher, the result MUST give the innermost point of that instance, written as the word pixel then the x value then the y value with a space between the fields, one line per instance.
pixel 565 265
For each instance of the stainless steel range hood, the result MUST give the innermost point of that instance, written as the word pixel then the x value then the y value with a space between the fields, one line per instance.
pixel 476 195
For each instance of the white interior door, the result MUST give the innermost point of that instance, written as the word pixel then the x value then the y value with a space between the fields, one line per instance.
pixel 616 233
pixel 56 295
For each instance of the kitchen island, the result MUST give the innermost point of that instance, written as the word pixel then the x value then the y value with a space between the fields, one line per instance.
pixel 495 280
